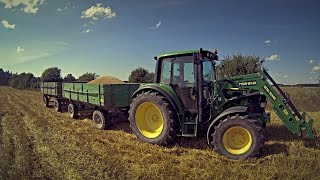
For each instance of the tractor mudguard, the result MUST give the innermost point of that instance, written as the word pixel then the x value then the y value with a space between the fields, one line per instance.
pixel 232 110
pixel 167 92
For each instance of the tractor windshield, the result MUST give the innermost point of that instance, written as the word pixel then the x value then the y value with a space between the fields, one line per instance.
pixel 208 70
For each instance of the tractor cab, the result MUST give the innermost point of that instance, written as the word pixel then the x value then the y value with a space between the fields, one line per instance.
pixel 190 74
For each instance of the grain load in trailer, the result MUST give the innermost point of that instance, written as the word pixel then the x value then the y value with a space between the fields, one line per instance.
pixel 106 80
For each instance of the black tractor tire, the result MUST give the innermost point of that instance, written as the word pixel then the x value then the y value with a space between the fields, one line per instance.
pixel 57 105
pixel 99 119
pixel 73 110
pixel 154 112
pixel 238 137
pixel 45 100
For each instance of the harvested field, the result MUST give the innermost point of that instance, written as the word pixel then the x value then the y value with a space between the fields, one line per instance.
pixel 39 143
pixel 106 80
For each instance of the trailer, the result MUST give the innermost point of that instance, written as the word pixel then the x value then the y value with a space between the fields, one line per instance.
pixel 104 101
pixel 52 90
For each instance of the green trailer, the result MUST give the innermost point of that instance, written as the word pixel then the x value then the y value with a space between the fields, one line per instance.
pixel 108 96
pixel 106 102
pixel 51 90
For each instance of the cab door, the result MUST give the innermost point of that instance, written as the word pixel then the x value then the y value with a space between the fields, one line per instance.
pixel 183 82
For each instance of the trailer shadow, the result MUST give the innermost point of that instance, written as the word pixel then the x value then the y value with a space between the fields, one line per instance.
pixel 120 125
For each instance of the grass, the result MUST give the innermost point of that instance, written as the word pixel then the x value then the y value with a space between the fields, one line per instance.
pixel 305 98
pixel 39 143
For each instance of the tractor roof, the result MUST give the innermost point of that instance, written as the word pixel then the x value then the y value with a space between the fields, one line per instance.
pixel 176 53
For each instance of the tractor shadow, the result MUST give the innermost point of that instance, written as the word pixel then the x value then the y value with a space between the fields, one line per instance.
pixel 281 133
pixel 273 149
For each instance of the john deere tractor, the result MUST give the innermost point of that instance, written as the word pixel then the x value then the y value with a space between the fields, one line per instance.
pixel 187 100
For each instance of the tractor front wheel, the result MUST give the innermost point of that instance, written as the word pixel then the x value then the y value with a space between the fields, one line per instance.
pixel 238 137
pixel 152 119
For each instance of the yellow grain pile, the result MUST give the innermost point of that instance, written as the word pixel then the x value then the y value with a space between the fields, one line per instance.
pixel 106 80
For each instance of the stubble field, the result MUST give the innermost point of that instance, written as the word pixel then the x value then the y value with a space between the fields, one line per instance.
pixel 39 143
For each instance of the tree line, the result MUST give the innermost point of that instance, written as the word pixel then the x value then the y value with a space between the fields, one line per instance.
pixel 53 74
pixel 232 66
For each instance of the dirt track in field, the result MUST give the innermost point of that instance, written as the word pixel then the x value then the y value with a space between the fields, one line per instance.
pixel 39 143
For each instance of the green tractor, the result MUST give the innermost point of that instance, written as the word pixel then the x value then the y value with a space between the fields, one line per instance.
pixel 187 100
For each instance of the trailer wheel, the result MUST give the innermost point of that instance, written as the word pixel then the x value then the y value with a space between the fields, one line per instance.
pixel 57 105
pixel 153 119
pixel 99 118
pixel 238 137
pixel 73 110
pixel 45 100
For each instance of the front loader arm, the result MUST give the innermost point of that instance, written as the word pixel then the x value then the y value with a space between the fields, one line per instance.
pixel 282 105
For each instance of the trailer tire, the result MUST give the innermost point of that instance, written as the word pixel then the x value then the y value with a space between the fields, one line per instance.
pixel 153 119
pixel 73 110
pixel 238 137
pixel 99 119
pixel 57 105
pixel 45 100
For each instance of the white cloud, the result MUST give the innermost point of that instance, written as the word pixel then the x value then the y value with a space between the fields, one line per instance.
pixel 285 76
pixel 66 7
pixel 28 6
pixel 274 57
pixel 87 31
pixel 19 49
pixel 156 26
pixel 311 61
pixel 316 68
pixel 267 42
pixel 39 50
pixel 98 11
pixel 7 25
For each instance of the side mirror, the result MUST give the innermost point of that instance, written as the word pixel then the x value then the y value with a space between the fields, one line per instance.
pixel 216 57
pixel 197 57
pixel 200 54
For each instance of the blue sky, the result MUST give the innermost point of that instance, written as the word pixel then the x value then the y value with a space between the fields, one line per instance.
pixel 113 37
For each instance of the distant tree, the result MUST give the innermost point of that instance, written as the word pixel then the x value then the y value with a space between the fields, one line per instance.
pixel 69 78
pixel 52 74
pixel 35 83
pixel 4 77
pixel 24 81
pixel 86 77
pixel 238 64
pixel 141 75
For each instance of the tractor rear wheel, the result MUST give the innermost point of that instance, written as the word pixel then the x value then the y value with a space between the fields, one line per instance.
pixel 152 119
pixel 57 105
pixel 238 137
pixel 73 110
pixel 45 100
pixel 99 119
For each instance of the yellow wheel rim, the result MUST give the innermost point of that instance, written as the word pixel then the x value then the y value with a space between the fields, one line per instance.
pixel 149 120
pixel 237 140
